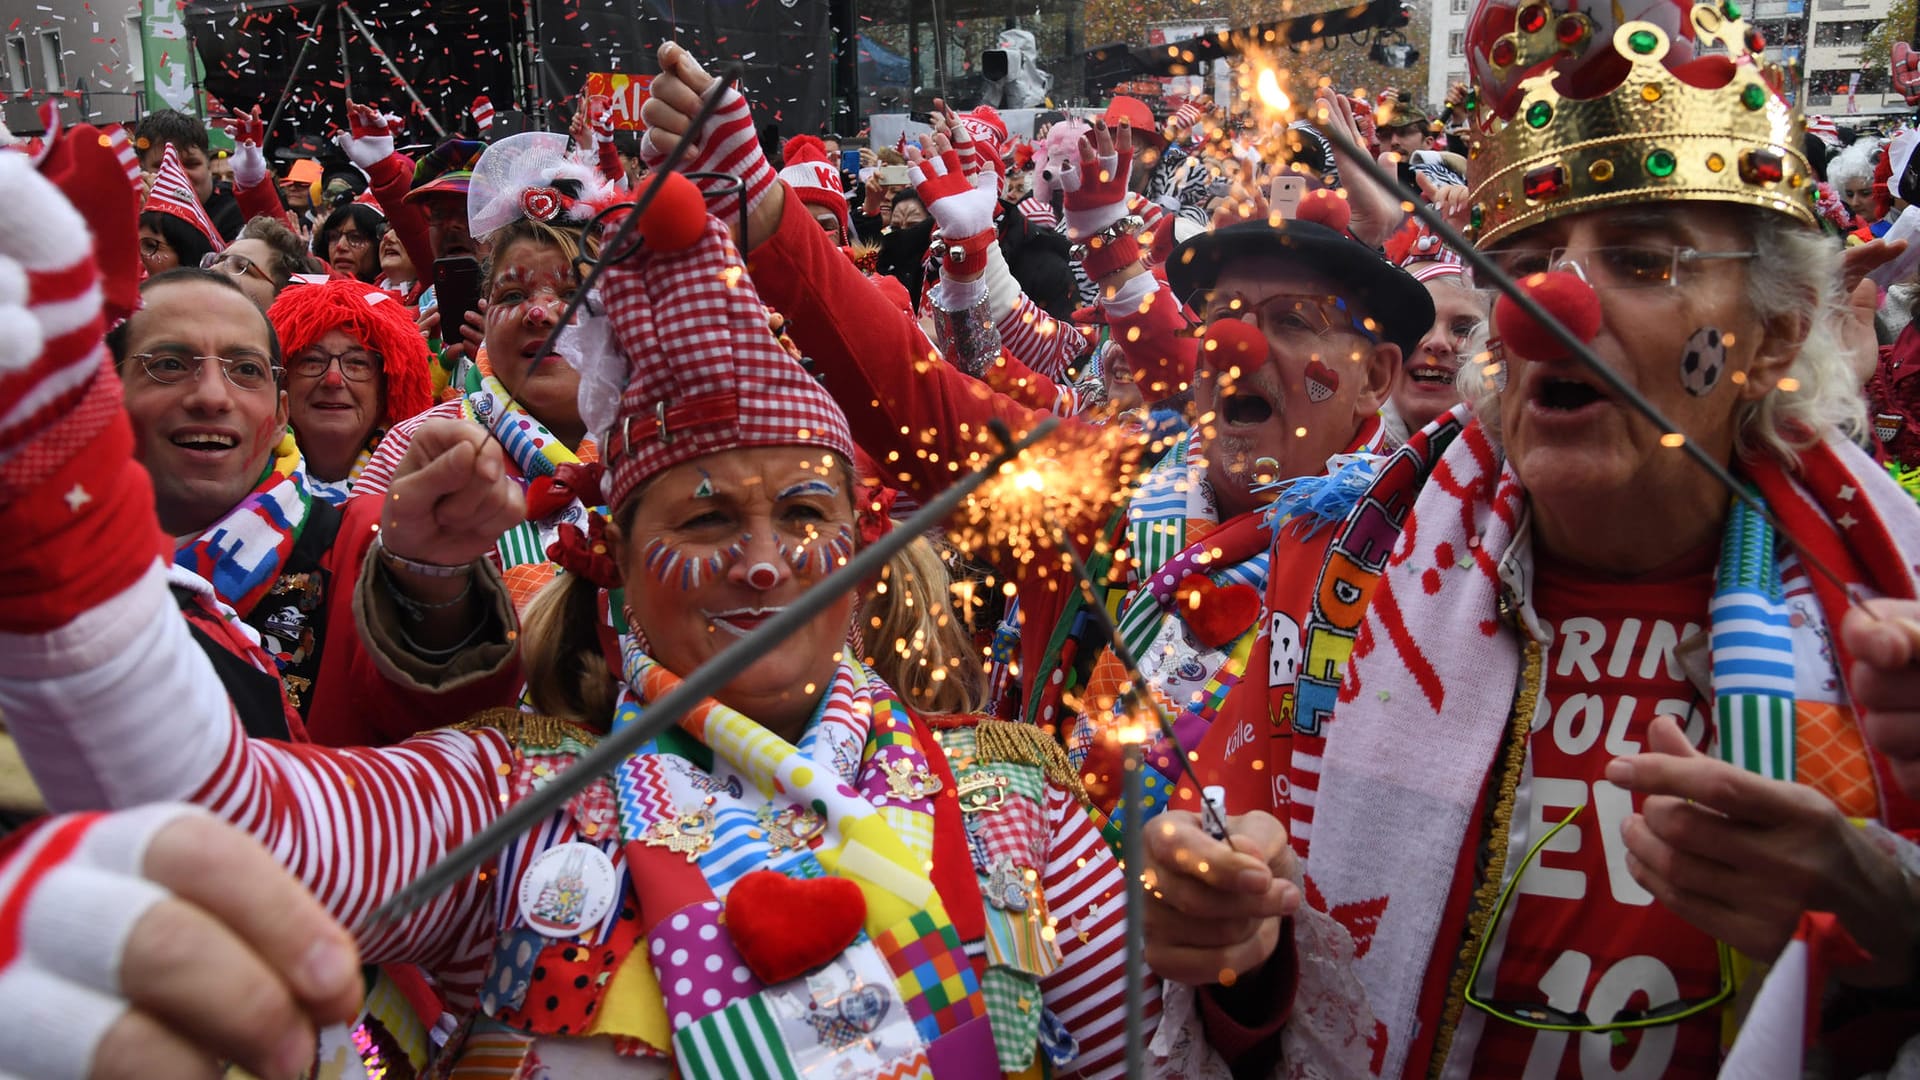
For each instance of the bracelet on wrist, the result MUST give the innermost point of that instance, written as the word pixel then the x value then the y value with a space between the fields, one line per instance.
pixel 424 569
pixel 438 656
pixel 1126 226
pixel 418 610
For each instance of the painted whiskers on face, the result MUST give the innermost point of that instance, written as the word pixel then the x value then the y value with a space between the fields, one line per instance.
pixel 819 553
pixel 676 569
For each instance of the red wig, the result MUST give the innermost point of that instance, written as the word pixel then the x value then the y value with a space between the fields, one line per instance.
pixel 303 314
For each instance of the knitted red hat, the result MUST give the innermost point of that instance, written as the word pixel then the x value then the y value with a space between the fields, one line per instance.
pixel 303 314
pixel 172 193
pixel 984 122
pixel 703 373
pixel 812 177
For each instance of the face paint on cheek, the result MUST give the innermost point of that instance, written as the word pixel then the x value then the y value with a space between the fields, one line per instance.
pixel 819 553
pixel 1703 360
pixel 677 570
pixel 705 490
pixel 1321 381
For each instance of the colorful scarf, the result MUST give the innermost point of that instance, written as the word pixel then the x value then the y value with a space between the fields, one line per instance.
pixel 1435 666
pixel 702 807
pixel 244 552
pixel 337 492
pixel 536 452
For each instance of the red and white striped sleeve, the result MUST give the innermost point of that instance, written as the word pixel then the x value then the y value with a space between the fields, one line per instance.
pixel 378 475
pixel 1040 341
pixel 1086 896
pixel 121 707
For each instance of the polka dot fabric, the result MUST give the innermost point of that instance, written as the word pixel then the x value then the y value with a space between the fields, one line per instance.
pixel 568 979
pixel 698 967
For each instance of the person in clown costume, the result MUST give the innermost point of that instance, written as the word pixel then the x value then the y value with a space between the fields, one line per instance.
pixel 806 877
pixel 1606 738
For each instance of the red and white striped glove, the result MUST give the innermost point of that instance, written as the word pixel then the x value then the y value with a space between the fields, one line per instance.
pixel 159 940
pixel 52 350
pixel 1187 115
pixel 368 140
pixel 248 132
pixel 961 204
pixel 728 144
pixel 482 113
pixel 1100 197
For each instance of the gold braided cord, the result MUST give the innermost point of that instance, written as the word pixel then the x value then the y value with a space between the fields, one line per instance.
pixel 1024 744
pixel 1519 724
pixel 531 731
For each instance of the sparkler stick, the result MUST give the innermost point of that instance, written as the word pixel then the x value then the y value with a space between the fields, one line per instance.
pixel 1134 786
pixel 701 684
pixel 1138 700
pixel 1671 435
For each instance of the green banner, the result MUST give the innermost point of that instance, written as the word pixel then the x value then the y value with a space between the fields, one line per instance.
pixel 170 61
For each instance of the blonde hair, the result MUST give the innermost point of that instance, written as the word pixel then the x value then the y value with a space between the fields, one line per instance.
pixel 916 640
pixel 567 674
pixel 529 230
pixel 1795 273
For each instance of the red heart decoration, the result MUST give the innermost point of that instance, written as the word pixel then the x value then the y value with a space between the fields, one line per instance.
pixel 1216 614
pixel 785 927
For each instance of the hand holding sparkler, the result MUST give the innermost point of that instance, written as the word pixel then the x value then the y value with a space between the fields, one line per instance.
pixel 1215 908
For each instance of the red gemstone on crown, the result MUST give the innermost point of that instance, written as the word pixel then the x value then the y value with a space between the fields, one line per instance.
pixel 1532 18
pixel 1503 53
pixel 1570 30
pixel 1762 166
pixel 1544 182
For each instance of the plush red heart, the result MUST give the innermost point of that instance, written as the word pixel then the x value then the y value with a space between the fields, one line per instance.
pixel 1216 614
pixel 785 927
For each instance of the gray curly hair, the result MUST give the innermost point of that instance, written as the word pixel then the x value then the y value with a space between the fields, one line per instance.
pixel 1796 272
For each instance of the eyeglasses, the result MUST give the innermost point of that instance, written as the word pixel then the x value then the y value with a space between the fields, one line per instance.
pixel 355 240
pixel 1648 266
pixel 356 365
pixel 171 366
pixel 220 260
pixel 1292 314
pixel 1547 1018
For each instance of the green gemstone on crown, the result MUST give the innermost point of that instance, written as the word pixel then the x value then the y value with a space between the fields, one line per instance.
pixel 1642 41
pixel 1754 96
pixel 1538 114
pixel 1661 163
pixel 1730 9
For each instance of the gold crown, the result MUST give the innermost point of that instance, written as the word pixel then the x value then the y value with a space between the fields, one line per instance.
pixel 1651 138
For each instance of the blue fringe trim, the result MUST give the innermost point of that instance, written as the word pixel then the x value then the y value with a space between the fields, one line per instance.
pixel 1322 500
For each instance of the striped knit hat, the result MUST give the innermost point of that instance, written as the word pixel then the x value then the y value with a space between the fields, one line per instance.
pixel 812 177
pixel 703 373
pixel 172 193
pixel 303 314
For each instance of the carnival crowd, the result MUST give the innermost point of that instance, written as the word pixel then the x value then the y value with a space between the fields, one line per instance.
pixel 1508 696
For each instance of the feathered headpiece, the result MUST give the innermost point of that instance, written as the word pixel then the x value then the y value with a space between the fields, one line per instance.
pixel 531 175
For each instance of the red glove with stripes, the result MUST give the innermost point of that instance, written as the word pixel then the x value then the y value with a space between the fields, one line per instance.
pixel 727 144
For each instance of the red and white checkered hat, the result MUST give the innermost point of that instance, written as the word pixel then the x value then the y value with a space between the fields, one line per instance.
pixel 704 374
pixel 172 193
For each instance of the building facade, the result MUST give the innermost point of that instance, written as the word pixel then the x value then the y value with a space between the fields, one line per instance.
pixel 1446 47
pixel 87 57
pixel 1832 80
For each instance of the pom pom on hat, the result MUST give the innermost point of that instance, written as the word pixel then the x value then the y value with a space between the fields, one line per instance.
pixel 813 178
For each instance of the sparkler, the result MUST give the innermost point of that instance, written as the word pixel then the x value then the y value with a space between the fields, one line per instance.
pixel 699 685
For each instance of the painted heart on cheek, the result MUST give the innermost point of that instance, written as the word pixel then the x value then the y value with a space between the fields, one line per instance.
pixel 1321 381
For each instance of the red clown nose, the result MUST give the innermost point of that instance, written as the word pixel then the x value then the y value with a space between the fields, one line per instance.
pixel 1232 343
pixel 1566 297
